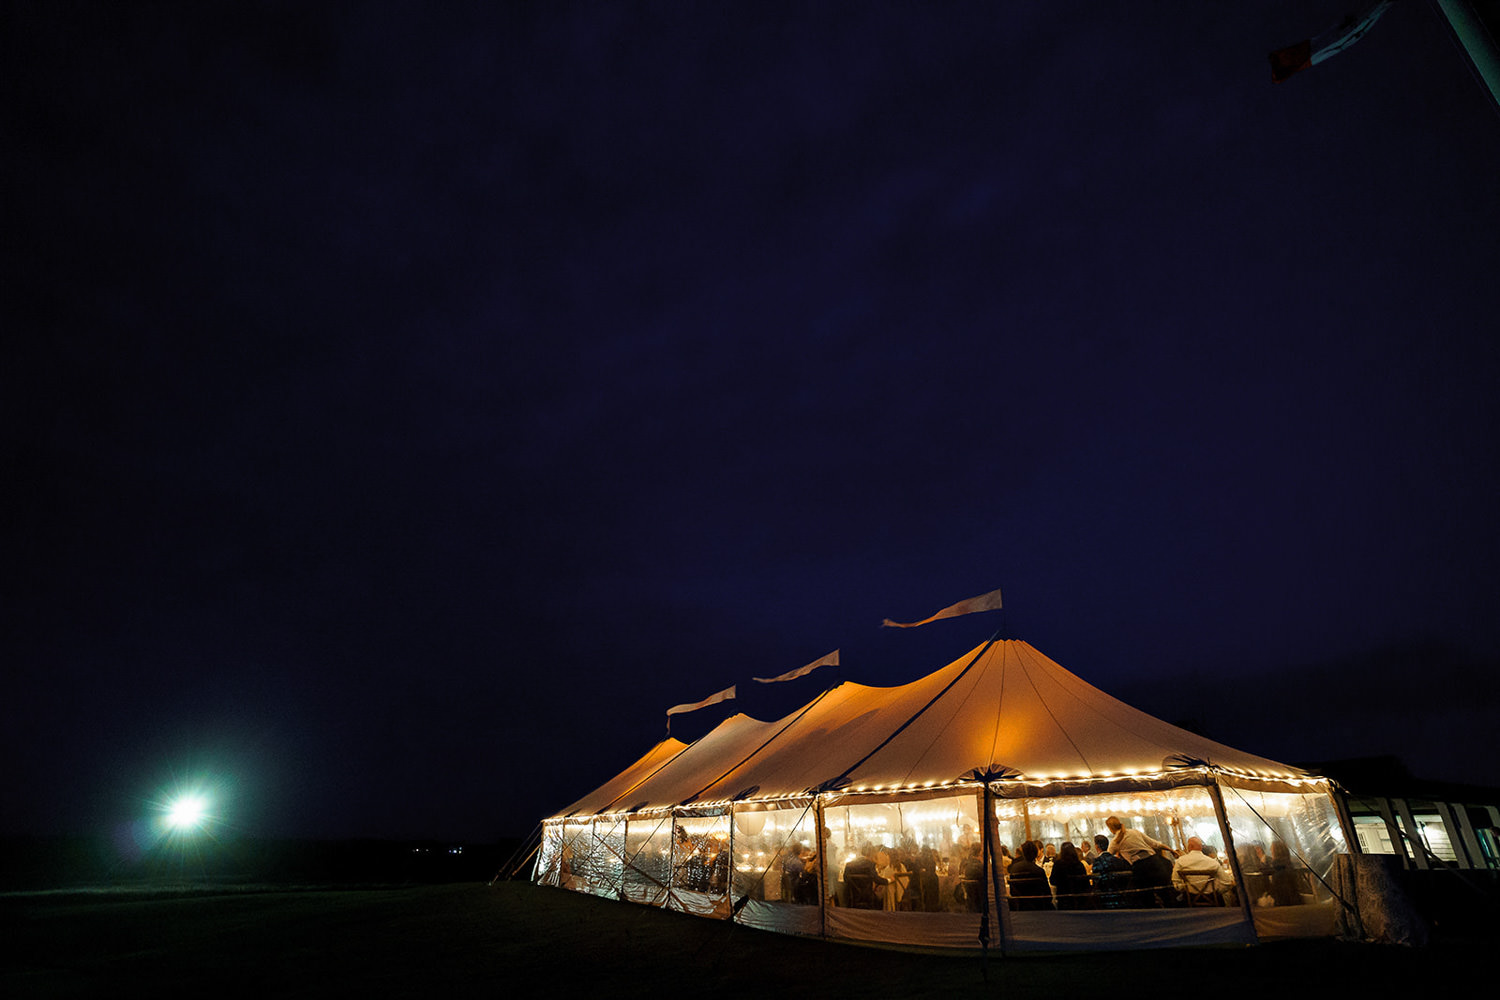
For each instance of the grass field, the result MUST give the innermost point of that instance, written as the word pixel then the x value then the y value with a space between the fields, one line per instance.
pixel 514 939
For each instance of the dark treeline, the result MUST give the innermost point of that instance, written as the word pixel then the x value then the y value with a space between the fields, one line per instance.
pixel 29 864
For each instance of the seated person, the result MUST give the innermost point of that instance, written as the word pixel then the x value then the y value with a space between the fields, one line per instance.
pixel 1196 869
pixel 1103 861
pixel 1286 881
pixel 1070 879
pixel 861 878
pixel 1028 882
pixel 1253 870
pixel 1153 873
pixel 1111 875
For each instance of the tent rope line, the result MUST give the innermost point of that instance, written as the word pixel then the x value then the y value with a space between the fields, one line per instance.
pixel 1113 701
pixel 834 782
pixel 619 855
pixel 675 890
pixel 779 851
pixel 999 711
pixel 627 860
pixel 1293 850
pixel 938 736
pixel 536 832
pixel 644 778
pixel 596 837
pixel 1053 716
pixel 629 863
pixel 756 752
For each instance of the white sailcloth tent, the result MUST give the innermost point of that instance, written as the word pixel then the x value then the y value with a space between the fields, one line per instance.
pixel 758 821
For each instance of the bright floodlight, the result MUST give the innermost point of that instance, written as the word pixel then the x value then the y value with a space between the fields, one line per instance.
pixel 187 812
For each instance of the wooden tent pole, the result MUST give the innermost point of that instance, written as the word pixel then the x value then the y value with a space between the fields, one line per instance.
pixel 822 835
pixel 1001 894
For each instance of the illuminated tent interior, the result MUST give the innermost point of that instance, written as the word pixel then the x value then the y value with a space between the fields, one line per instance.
pixel 903 774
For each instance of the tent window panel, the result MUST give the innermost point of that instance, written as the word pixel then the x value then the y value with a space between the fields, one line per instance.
pixel 901 856
pixel 549 857
pixel 700 854
pixel 577 860
pixel 1287 844
pixel 648 853
pixel 598 858
pixel 944 832
pixel 1169 816
pixel 773 855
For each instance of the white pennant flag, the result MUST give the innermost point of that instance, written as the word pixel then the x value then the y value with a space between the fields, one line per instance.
pixel 984 602
pixel 831 660
pixel 712 699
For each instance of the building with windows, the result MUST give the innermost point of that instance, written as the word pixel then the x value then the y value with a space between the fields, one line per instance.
pixel 1427 825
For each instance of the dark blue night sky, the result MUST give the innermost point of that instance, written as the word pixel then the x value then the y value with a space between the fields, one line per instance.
pixel 405 405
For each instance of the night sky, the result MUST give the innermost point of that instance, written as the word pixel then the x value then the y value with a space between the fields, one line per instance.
pixel 404 405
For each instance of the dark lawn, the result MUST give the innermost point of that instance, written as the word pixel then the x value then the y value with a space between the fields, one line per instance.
pixel 478 940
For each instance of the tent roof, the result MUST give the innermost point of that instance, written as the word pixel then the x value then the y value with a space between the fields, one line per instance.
pixel 1003 705
pixel 603 797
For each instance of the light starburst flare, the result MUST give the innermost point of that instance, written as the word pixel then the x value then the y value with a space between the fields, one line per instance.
pixel 188 812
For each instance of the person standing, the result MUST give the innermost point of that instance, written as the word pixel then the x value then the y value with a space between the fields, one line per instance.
pixel 1132 845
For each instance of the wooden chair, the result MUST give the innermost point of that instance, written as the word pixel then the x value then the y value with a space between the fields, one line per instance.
pixel 860 890
pixel 1030 894
pixel 1200 890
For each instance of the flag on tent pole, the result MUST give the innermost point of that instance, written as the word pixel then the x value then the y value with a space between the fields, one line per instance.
pixel 831 660
pixel 984 602
pixel 1311 51
pixel 712 699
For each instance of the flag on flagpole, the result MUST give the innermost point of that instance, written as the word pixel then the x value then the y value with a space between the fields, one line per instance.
pixel 1311 51
pixel 831 660
pixel 712 699
pixel 984 602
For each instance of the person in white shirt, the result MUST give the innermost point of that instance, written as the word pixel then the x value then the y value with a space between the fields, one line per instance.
pixel 1193 862
pixel 1132 845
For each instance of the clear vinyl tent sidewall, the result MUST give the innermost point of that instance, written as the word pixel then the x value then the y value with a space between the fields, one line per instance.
pixel 1169 806
pixel 729 860
pixel 1292 855
pixel 970 755
pixel 768 893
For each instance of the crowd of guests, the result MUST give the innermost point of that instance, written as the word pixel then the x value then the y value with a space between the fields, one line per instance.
pixel 881 878
pixel 1126 868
